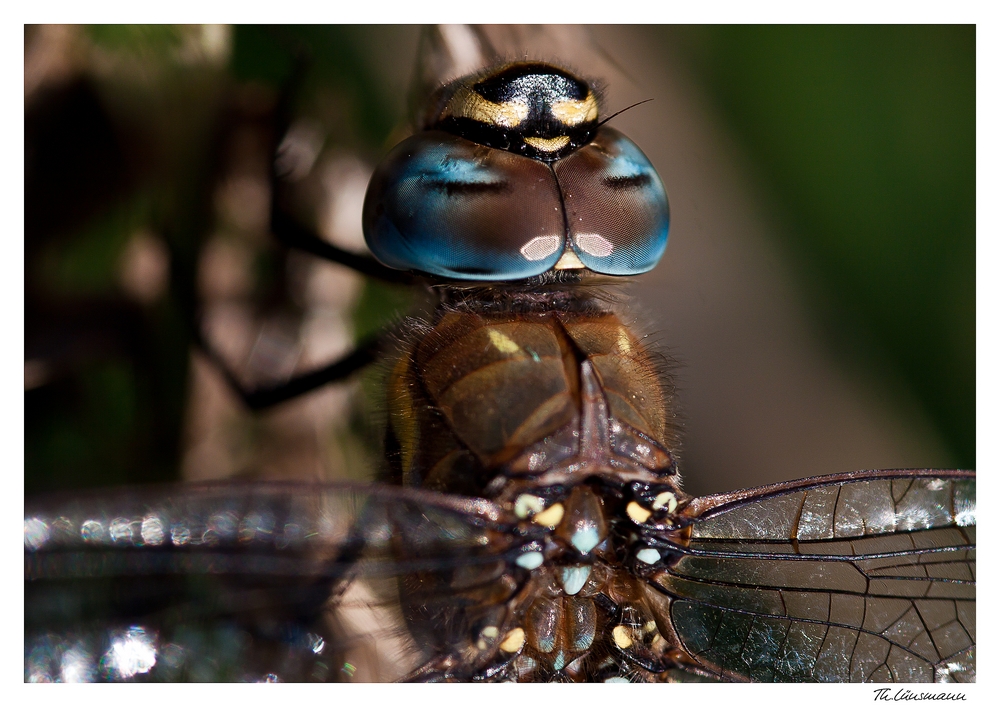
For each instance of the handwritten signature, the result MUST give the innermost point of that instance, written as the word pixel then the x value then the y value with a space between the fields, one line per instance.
pixel 904 695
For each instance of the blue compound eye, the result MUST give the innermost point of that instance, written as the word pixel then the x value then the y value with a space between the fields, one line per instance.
pixel 444 205
pixel 616 208
pixel 447 206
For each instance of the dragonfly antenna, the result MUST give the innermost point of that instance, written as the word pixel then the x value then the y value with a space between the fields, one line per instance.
pixel 623 110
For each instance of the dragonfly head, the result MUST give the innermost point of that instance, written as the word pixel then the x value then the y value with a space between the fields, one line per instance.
pixel 513 177
pixel 529 108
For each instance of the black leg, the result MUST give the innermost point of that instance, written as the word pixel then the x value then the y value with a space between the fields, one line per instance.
pixel 268 396
pixel 287 230
pixel 294 235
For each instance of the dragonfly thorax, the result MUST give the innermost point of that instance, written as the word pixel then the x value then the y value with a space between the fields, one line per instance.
pixel 562 420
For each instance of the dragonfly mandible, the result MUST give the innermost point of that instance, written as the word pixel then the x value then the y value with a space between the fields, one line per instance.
pixel 535 527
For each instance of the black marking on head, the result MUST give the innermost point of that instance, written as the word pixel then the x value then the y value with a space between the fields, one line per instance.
pixel 633 181
pixel 529 108
pixel 468 188
pixel 529 82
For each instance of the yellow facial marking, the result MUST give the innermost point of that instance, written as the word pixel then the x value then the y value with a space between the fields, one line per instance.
pixel 575 112
pixel 551 516
pixel 503 343
pixel 665 500
pixel 466 103
pixel 637 512
pixel 513 641
pixel 548 144
pixel 621 636
pixel 569 261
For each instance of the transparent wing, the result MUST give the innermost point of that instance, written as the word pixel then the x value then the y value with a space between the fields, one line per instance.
pixel 857 577
pixel 250 582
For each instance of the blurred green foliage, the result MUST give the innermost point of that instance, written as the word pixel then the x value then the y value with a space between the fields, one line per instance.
pixel 865 139
pixel 137 39
pixel 87 265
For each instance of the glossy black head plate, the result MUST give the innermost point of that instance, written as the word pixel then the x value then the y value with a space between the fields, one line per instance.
pixel 528 108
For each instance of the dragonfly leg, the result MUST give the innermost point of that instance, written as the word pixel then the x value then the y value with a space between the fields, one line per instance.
pixel 291 233
pixel 440 668
pixel 262 397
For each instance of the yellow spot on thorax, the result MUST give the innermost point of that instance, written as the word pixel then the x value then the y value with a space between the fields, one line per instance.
pixel 550 517
pixel 637 512
pixel 624 342
pixel 621 636
pixel 527 505
pixel 665 500
pixel 513 641
pixel 503 343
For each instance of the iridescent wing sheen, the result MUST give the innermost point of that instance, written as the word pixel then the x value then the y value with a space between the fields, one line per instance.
pixel 248 582
pixel 855 577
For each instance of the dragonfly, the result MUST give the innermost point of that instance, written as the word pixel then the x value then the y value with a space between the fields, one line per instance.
pixel 531 524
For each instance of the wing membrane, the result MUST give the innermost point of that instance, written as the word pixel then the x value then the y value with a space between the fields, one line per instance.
pixel 861 577
pixel 246 582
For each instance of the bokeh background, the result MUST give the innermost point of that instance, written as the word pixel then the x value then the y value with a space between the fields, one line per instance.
pixel 816 297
